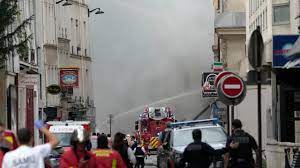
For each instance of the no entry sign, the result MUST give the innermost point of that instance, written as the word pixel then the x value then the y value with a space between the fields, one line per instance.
pixel 232 86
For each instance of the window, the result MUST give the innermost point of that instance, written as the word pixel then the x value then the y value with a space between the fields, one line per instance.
pixel 66 34
pixel 281 14
pixel 85 51
pixel 72 50
pixel 76 23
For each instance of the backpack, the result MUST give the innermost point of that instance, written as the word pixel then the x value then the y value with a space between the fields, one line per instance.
pixel 139 151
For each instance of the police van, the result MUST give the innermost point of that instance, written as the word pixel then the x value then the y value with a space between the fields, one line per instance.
pixel 178 135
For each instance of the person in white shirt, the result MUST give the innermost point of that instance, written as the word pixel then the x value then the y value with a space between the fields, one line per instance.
pixel 26 156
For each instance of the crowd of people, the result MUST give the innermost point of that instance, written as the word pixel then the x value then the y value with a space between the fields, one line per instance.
pixel 123 152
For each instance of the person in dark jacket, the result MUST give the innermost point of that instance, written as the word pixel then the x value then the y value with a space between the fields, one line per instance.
pixel 242 155
pixel 199 153
pixel 126 153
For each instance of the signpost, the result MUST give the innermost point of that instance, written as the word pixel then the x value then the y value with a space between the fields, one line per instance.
pixel 231 91
pixel 255 54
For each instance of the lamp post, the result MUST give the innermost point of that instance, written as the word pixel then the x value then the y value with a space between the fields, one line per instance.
pixel 67 3
pixel 99 11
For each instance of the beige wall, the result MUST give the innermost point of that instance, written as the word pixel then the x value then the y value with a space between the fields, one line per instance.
pixel 234 5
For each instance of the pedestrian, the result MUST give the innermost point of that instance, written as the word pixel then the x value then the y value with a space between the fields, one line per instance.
pixel 27 156
pixel 199 153
pixel 9 136
pixel 120 145
pixel 105 157
pixel 140 154
pixel 134 143
pixel 78 156
pixel 240 156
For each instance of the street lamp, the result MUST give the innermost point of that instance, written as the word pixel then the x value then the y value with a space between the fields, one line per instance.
pixel 67 3
pixel 99 11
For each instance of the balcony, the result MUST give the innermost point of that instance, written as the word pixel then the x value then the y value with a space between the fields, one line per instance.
pixel 230 20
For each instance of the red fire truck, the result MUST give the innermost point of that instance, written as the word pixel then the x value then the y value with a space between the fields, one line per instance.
pixel 151 122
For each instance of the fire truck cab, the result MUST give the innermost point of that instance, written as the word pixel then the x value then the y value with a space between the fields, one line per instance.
pixel 151 122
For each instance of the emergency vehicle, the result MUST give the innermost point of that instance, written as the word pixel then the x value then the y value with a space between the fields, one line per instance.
pixel 63 131
pixel 150 123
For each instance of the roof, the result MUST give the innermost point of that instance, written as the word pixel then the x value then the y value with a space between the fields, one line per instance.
pixel 230 20
pixel 198 127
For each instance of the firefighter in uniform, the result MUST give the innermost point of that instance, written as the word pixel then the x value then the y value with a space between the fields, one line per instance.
pixel 241 156
pixel 105 157
pixel 78 156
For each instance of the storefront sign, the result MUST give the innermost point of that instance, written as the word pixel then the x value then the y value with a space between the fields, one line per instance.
pixel 69 78
pixel 208 87
pixel 284 51
pixel 54 89
pixel 27 80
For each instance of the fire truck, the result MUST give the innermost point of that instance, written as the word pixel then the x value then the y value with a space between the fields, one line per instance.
pixel 150 123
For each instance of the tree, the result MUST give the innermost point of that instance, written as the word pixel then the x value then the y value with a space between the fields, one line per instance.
pixel 13 36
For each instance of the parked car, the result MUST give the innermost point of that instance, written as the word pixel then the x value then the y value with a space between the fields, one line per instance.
pixel 179 135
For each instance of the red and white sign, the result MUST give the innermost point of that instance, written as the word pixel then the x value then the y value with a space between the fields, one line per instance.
pixel 69 77
pixel 220 76
pixel 232 86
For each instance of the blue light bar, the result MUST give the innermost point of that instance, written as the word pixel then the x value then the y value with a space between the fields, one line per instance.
pixel 194 122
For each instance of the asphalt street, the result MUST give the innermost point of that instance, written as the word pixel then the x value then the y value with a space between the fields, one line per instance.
pixel 150 161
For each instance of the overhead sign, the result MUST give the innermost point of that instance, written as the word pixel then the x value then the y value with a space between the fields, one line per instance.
pixel 69 77
pixel 54 89
pixel 208 87
pixel 232 86
pixel 284 51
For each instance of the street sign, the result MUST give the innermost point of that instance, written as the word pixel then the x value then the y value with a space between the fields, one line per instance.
pixel 231 89
pixel 208 87
pixel 232 86
pixel 256 49
pixel 220 76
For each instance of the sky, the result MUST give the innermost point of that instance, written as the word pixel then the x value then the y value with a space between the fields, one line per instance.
pixel 147 51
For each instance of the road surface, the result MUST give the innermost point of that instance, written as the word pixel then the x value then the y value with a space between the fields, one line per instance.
pixel 150 162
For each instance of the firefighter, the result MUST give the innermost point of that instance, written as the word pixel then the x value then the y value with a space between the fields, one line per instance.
pixel 9 136
pixel 105 157
pixel 241 156
pixel 78 156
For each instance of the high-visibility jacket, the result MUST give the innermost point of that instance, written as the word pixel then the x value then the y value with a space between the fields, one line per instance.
pixel 11 138
pixel 107 158
pixel 70 160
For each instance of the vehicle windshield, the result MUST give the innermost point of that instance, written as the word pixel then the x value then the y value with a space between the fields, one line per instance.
pixel 64 138
pixel 209 135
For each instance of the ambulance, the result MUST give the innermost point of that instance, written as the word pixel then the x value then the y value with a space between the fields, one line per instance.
pixel 64 129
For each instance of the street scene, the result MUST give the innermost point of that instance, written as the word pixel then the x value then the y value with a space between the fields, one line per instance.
pixel 149 83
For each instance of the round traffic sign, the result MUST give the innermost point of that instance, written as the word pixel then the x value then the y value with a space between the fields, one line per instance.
pixel 232 86
pixel 220 76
